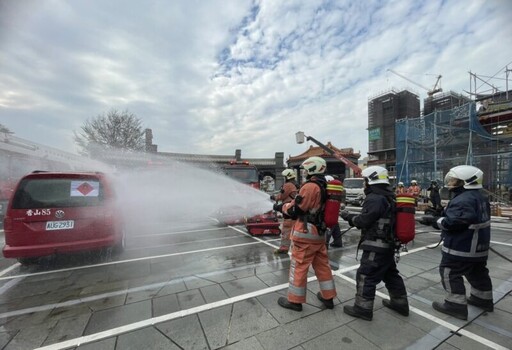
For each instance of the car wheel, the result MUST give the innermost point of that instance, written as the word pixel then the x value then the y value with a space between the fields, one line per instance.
pixel 121 245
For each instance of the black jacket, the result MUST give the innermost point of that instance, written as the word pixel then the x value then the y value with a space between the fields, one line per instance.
pixel 376 219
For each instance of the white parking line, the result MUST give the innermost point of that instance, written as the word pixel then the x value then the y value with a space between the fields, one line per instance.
pixel 127 261
pixel 179 314
pixel 9 269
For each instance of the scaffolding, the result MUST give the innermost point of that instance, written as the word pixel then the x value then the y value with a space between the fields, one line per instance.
pixel 428 146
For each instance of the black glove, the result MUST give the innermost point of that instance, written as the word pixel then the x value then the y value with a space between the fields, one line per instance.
pixel 427 220
pixel 435 224
pixel 278 207
pixel 272 197
pixel 347 216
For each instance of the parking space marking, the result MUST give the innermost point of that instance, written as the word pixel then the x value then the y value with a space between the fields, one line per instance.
pixel 179 314
pixel 152 321
pixel 126 291
pixel 128 261
pixel 256 238
pixel 9 269
pixel 183 243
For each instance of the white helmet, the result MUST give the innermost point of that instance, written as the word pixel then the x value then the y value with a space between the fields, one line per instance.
pixel 314 165
pixel 329 178
pixel 376 175
pixel 288 174
pixel 401 184
pixel 464 175
pixel 414 182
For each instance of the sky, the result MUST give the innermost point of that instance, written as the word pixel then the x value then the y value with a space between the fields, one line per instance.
pixel 210 77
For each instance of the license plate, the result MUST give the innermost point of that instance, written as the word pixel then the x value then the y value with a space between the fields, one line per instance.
pixel 60 225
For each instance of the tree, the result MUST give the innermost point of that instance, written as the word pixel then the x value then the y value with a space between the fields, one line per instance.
pixel 113 131
pixel 5 129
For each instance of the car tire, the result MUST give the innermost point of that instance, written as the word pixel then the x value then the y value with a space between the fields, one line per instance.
pixel 121 245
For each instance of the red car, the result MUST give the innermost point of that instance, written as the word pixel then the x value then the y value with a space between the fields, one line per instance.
pixel 56 212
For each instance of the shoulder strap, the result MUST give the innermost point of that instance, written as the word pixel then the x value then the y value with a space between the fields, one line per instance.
pixel 323 189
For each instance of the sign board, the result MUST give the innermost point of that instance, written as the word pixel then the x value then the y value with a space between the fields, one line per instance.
pixel 374 134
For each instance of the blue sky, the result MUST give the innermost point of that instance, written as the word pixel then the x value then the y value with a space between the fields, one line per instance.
pixel 213 76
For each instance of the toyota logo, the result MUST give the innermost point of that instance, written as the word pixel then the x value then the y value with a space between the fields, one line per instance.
pixel 59 214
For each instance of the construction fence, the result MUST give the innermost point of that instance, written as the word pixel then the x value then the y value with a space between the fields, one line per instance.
pixel 428 146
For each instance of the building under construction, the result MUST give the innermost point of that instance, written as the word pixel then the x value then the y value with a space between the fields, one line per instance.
pixel 428 146
pixel 384 110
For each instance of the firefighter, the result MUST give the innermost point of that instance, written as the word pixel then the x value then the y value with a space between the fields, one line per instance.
pixel 308 248
pixel 286 195
pixel 378 245
pixel 401 188
pixel 434 195
pixel 415 190
pixel 335 231
pixel 466 232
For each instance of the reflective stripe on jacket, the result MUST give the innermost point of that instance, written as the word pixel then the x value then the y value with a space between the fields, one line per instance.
pixel 374 220
pixel 466 227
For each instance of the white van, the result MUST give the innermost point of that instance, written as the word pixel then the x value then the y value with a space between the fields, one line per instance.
pixel 354 190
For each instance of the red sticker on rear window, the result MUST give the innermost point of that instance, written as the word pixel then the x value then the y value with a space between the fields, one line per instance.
pixel 85 188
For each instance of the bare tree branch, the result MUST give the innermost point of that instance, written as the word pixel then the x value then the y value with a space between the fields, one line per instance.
pixel 115 130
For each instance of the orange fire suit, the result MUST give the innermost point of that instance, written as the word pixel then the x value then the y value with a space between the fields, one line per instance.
pixel 287 194
pixel 308 248
pixel 400 190
pixel 415 190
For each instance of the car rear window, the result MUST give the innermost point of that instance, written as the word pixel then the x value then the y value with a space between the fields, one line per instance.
pixel 61 192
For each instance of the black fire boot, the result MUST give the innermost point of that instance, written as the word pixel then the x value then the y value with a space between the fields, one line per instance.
pixel 283 302
pixel 486 305
pixel 328 303
pixel 459 311
pixel 399 305
pixel 359 312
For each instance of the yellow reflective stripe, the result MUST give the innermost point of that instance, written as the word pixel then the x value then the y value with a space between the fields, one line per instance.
pixel 405 200
pixel 335 187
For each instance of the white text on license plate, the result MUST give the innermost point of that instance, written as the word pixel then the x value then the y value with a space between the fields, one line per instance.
pixel 60 225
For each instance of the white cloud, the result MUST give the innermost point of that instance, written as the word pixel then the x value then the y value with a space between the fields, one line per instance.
pixel 212 76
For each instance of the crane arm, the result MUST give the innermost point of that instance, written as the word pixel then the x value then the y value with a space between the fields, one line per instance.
pixel 409 80
pixel 342 158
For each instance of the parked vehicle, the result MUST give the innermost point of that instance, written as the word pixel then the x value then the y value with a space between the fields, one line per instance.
pixel 61 212
pixel 242 172
pixel 354 190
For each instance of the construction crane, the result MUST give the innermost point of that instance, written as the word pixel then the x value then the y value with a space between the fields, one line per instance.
pixel 430 92
pixel 299 137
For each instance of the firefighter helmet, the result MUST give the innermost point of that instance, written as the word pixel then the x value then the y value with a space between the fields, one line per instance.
pixel 414 182
pixel 376 175
pixel 314 165
pixel 464 175
pixel 400 184
pixel 288 174
pixel 329 178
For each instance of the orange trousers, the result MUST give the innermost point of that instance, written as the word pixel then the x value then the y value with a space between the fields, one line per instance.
pixel 303 256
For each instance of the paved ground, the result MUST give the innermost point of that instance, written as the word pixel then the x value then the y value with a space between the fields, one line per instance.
pixel 216 288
